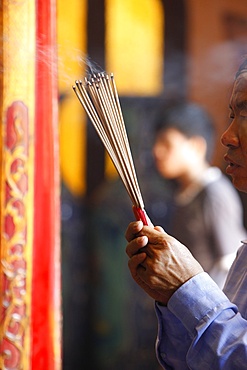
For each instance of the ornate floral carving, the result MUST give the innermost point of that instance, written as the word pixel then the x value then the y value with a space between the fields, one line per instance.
pixel 14 317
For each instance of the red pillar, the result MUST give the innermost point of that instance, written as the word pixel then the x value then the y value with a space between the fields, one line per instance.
pixel 46 252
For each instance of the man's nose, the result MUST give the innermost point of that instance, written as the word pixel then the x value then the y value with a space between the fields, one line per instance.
pixel 230 136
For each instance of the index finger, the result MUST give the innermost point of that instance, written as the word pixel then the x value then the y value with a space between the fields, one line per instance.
pixel 133 229
pixel 136 245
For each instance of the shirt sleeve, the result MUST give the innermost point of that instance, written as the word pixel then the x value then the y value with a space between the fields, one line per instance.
pixel 203 330
pixel 173 340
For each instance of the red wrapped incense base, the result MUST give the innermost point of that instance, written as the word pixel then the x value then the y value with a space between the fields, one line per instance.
pixel 140 215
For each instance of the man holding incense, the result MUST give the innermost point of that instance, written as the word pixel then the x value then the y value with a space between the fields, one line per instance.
pixel 200 326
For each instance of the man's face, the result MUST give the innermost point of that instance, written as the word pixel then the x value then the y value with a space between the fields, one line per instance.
pixel 235 137
pixel 173 153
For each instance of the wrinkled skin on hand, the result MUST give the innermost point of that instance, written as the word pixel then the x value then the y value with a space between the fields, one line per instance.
pixel 159 263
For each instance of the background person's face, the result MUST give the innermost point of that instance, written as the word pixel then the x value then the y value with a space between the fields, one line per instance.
pixel 172 153
pixel 235 137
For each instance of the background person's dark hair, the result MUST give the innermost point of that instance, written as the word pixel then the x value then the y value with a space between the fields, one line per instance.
pixel 191 120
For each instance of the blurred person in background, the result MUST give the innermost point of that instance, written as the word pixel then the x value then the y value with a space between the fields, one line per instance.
pixel 206 213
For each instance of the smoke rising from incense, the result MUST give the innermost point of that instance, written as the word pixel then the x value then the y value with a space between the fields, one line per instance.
pixel 74 64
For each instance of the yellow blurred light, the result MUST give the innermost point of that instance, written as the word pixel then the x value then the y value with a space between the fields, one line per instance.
pixel 134 45
pixel 71 25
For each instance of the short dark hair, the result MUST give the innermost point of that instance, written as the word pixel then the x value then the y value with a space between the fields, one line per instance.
pixel 242 68
pixel 190 119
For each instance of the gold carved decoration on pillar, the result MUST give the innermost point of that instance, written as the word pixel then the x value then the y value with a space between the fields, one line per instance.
pixel 14 238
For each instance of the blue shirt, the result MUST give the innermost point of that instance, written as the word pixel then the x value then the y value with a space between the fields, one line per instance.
pixel 204 328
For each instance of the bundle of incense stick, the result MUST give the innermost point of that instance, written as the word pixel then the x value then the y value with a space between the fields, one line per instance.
pixel 99 97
